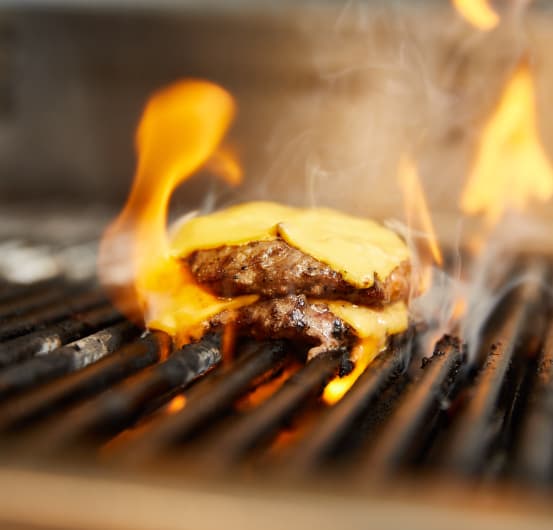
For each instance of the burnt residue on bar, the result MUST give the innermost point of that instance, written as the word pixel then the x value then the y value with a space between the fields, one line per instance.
pixel 209 399
pixel 50 314
pixel 479 437
pixel 115 410
pixel 337 422
pixel 35 299
pixel 534 457
pixel 48 339
pixel 14 293
pixel 55 396
pixel 70 358
pixel 227 446
pixel 402 440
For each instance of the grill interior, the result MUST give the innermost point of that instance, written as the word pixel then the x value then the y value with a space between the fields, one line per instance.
pixel 80 384
pixel 102 425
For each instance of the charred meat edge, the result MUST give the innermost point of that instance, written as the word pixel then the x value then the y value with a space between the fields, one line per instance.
pixel 290 317
pixel 274 269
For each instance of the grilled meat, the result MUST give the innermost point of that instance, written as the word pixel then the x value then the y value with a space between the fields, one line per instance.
pixel 275 269
pixel 291 317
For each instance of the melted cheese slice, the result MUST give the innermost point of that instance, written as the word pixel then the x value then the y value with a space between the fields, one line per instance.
pixel 358 249
pixel 186 315
pixel 370 322
pixel 182 308
pixel 372 326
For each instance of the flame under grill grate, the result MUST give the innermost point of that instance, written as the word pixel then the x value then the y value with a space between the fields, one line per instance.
pixel 75 377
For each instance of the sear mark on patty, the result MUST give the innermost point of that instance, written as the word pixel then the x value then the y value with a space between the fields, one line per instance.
pixel 275 269
pixel 293 318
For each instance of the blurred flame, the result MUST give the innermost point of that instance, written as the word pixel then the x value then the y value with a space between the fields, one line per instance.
pixel 226 165
pixel 363 353
pixel 511 167
pixel 176 404
pixel 266 389
pixel 416 208
pixel 180 129
pixel 478 12
pixel 418 221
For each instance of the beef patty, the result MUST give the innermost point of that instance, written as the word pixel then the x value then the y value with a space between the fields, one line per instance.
pixel 274 269
pixel 291 317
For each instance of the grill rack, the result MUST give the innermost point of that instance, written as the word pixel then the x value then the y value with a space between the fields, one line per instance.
pixel 77 378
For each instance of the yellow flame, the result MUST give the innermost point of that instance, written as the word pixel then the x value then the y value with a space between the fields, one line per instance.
pixel 179 131
pixel 363 353
pixel 478 12
pixel 226 165
pixel 511 168
pixel 416 208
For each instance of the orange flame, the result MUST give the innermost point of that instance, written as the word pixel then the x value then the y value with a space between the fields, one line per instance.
pixel 176 404
pixel 179 131
pixel 511 168
pixel 418 220
pixel 478 12
pixel 416 208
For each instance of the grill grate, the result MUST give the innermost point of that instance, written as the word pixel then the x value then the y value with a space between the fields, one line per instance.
pixel 76 377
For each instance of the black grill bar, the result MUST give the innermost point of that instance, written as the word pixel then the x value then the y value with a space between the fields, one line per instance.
pixel 50 314
pixel 230 444
pixel 119 407
pixel 54 336
pixel 535 453
pixel 483 419
pixel 14 292
pixel 338 420
pixel 402 436
pixel 210 398
pixel 129 359
pixel 66 359
pixel 33 300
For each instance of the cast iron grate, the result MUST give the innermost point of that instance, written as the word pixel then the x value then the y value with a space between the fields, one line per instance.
pixel 76 377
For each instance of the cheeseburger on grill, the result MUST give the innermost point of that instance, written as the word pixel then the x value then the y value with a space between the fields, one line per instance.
pixel 314 276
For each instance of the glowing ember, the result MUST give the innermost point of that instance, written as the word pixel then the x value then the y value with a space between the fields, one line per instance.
pixel 176 404
pixel 511 168
pixel 179 132
pixel 478 12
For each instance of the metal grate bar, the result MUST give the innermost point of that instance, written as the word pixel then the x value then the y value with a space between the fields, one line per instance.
pixel 119 407
pixel 129 359
pixel 50 314
pixel 35 299
pixel 210 398
pixel 535 454
pixel 14 292
pixel 230 444
pixel 400 438
pixel 338 420
pixel 69 358
pixel 483 419
pixel 44 341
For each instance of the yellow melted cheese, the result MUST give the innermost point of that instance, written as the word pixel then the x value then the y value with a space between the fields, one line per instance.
pixel 185 316
pixel 371 322
pixel 372 326
pixel 357 248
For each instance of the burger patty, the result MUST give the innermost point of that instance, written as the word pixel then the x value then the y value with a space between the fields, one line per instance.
pixel 291 317
pixel 275 269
